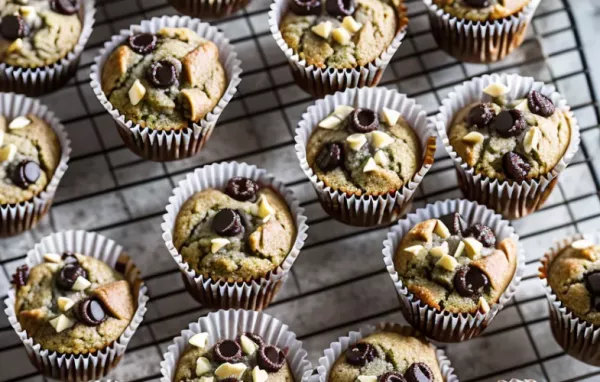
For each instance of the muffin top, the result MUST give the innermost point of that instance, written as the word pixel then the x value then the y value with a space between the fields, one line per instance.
pixel 574 276
pixel 29 154
pixel 481 10
pixel 454 268
pixel 339 33
pixel 237 234
pixel 353 152
pixel 246 358
pixel 164 81
pixel 73 304
pixel 387 356
pixel 35 33
pixel 511 139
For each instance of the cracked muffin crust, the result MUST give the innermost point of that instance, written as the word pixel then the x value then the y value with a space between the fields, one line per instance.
pixel 340 34
pixel 450 267
pixel 574 276
pixel 237 234
pixel 30 152
pixel 353 152
pixel 511 139
pixel 246 358
pixel 38 33
pixel 387 356
pixel 481 10
pixel 164 81
pixel 73 304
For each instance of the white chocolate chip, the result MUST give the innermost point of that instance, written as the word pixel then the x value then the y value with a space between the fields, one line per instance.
pixel 522 106
pixel 61 323
pixel 81 258
pixel 356 141
pixel 334 119
pixel 264 207
pixel 341 36
pixel 351 24
pixel 1 137
pixel 447 262
pixel 199 340
pixel 248 346
pixel 227 370
pixel 343 111
pixel 202 366
pixel 381 158
pixel 27 10
pixel 136 92
pixel 266 219
pixel 483 305
pixel 496 90
pixel 259 375
pixel 390 116
pixel 81 284
pixel 370 165
pixel 441 230
pixel 414 249
pixel 473 137
pixel 207 379
pixel 381 139
pixel 53 258
pixel 53 267
pixel 581 244
pixel 367 378
pixel 15 46
pixel 65 304
pixel 532 139
pixel 19 123
pixel 459 249
pixel 217 244
pixel 440 250
pixel 8 152
pixel 330 123
pixel 473 247
pixel 323 29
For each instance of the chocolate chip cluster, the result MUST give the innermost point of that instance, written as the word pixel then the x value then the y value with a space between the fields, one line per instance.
pixel 268 357
pixel 228 222
pixel 592 284
pixel 13 27
pixel 161 74
pixel 335 8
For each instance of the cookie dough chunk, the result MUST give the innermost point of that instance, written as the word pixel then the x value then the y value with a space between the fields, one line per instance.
pixel 478 10
pixel 165 81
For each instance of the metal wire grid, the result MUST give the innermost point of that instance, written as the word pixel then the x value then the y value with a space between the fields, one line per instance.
pixel 277 84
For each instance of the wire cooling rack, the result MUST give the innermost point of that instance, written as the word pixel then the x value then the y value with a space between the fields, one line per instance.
pixel 339 283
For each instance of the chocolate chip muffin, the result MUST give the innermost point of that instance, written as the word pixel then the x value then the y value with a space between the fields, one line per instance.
pixel 73 304
pixel 247 358
pixel 164 81
pixel 515 140
pixel 387 356
pixel 340 34
pixel 450 267
pixel 37 33
pixel 481 10
pixel 236 234
pixel 29 154
pixel 574 277
pixel 352 151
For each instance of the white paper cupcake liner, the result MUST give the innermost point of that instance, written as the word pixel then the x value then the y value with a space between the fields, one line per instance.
pixel 479 42
pixel 159 145
pixel 228 324
pixel 208 9
pixel 441 325
pixel 367 210
pixel 219 294
pixel 17 218
pixel 70 367
pixel 37 81
pixel 336 349
pixel 577 337
pixel 322 81
pixel 511 199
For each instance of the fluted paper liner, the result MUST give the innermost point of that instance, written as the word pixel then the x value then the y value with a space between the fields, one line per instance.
pixel 479 41
pixel 160 145
pixel 208 9
pixel 577 337
pixel 336 349
pixel 17 218
pixel 367 210
pixel 37 81
pixel 70 367
pixel 228 324
pixel 255 294
pixel 322 81
pixel 511 199
pixel 439 325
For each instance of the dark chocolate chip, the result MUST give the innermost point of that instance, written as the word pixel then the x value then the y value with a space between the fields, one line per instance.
pixel 20 277
pixel 227 351
pixel 66 7
pixel 481 116
pixel 470 281
pixel 68 275
pixel 162 74
pixel 227 222
pixel 592 282
pixel 331 156
pixel 14 27
pixel 360 354
pixel 392 376
pixel 229 379
pixel 455 223
pixel 305 7
pixel 478 3
pixel 418 372
pixel 26 173
pixel 69 258
pixel 483 234
pixel 363 120
pixel 515 166
pixel 540 104
pixel 143 43
pixel 509 123
pixel 596 303
pixel 340 8
pixel 242 189
pixel 91 312
pixel 270 358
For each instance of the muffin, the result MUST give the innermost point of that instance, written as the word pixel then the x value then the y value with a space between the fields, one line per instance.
pixel 333 45
pixel 480 31
pixel 509 137
pixel 208 9
pixel 40 42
